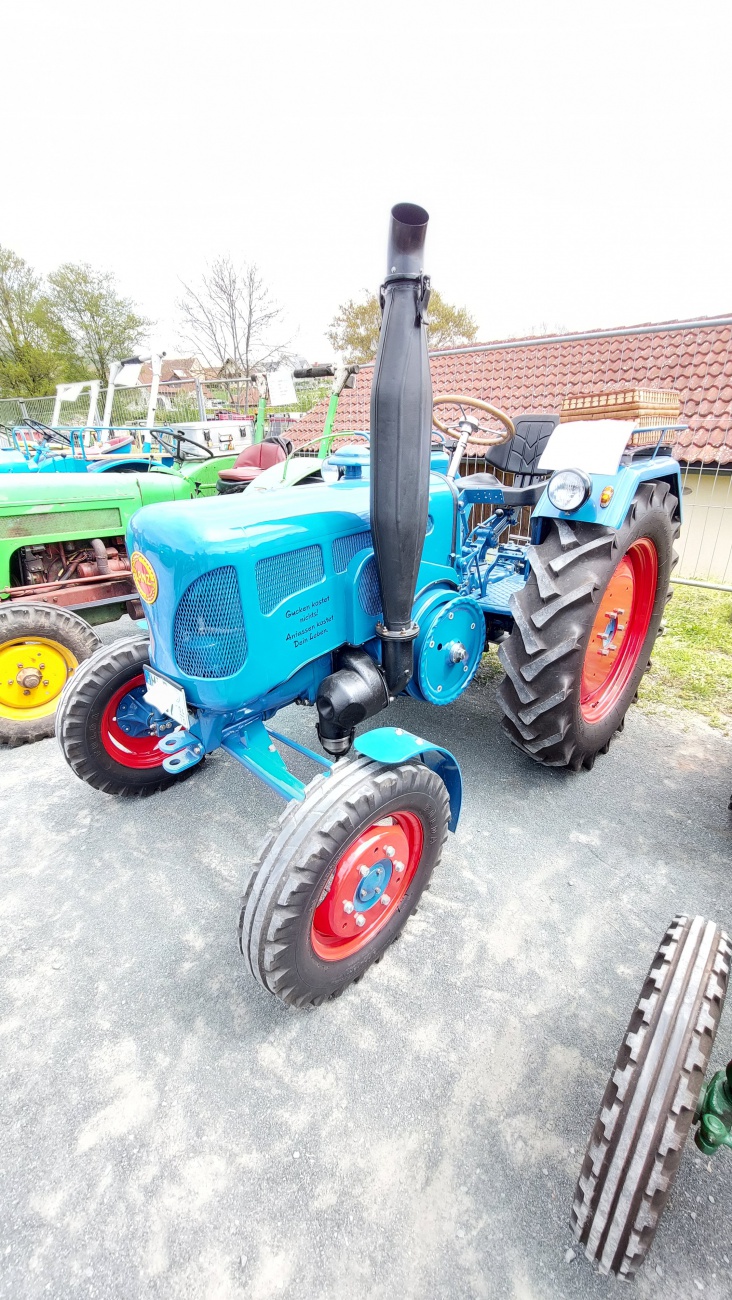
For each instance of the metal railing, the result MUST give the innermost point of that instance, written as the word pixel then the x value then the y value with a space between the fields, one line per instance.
pixel 179 401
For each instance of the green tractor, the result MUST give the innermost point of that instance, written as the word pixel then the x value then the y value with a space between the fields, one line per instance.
pixel 64 568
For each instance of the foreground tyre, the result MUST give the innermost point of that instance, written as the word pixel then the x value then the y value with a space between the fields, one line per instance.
pixel 649 1103
pixel 338 881
pixel 108 733
pixel 584 627
pixel 40 648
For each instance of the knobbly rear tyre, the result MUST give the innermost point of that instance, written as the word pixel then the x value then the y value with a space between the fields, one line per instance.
pixel 649 1104
pixel 554 614
pixel 298 868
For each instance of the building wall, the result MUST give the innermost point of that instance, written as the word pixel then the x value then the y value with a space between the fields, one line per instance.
pixel 705 544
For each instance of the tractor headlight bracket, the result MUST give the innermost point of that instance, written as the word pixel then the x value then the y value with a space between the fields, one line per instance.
pixel 568 489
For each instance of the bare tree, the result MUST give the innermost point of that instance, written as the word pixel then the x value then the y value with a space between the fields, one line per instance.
pixel 230 319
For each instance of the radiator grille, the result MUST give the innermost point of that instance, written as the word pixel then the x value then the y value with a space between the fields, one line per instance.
pixel 280 576
pixel 344 549
pixel 209 638
pixel 369 591
pixel 77 523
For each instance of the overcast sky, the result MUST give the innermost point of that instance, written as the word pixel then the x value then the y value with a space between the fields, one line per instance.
pixel 574 157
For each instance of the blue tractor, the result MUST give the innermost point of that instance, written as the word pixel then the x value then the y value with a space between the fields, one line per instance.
pixel 378 581
pixel 37 448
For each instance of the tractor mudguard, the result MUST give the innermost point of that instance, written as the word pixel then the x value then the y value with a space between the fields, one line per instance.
pixel 393 745
pixel 625 484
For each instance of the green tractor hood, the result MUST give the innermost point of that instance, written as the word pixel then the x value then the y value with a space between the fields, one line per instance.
pixel 39 492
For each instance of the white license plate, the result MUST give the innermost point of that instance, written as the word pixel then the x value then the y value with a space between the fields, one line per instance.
pixel 167 697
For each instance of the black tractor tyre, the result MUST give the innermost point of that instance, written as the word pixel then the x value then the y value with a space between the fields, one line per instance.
pixel 30 623
pixel 554 615
pixel 80 717
pixel 649 1104
pixel 297 867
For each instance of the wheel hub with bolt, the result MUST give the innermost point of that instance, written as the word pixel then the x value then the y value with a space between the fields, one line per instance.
pixel 131 728
pixel 367 886
pixel 619 630
pixel 32 676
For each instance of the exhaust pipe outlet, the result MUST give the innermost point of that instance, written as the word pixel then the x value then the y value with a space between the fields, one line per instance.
pixel 401 428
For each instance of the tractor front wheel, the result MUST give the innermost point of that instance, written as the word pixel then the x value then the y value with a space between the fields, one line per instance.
pixel 338 881
pixel 651 1098
pixel 108 732
pixel 40 648
pixel 584 627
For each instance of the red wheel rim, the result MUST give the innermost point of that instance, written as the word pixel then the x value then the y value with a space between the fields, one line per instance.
pixel 380 864
pixel 619 630
pixel 130 751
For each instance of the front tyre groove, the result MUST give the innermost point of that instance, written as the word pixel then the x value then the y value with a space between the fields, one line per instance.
pixel 558 618
pixel 301 866
pixel 635 1147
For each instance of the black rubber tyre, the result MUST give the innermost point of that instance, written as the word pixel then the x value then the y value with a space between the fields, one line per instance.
pixel 30 623
pixel 553 619
pixel 649 1103
pixel 225 488
pixel 297 866
pixel 79 722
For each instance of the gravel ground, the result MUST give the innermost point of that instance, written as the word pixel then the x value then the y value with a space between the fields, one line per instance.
pixel 170 1130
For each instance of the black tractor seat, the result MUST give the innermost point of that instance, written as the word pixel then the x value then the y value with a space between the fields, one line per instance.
pixel 519 456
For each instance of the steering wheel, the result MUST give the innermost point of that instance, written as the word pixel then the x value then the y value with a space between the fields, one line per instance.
pixel 458 399
pixel 47 433
pixel 178 438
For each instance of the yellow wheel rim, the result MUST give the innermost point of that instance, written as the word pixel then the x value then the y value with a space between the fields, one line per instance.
pixel 33 673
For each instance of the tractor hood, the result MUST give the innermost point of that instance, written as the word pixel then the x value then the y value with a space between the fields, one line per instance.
pixel 241 591
pixel 246 594
pixel 34 491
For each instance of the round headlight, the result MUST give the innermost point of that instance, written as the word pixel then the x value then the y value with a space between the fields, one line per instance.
pixel 568 489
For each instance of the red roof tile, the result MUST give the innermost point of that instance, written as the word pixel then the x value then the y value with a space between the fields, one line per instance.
pixel 534 374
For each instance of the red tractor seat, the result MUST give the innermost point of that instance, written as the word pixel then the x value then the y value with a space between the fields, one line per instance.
pixel 251 462
pixel 117 444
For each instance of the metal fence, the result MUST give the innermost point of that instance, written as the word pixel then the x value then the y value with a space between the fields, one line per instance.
pixel 178 402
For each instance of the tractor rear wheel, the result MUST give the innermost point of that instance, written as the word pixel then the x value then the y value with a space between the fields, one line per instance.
pixel 338 881
pixel 649 1104
pixel 584 627
pixel 40 648
pixel 108 732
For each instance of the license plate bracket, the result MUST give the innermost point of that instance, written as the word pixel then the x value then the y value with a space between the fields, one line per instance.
pixel 166 696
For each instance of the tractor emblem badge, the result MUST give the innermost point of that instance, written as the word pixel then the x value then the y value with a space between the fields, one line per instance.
pixel 144 577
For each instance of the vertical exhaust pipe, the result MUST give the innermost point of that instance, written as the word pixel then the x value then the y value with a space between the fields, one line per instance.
pixel 401 428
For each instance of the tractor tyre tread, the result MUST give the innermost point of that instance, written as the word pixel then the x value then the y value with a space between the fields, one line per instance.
pixel 72 715
pixel 297 856
pixel 651 1097
pixel 553 617
pixel 61 625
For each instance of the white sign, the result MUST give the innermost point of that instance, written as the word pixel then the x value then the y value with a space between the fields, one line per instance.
pixel 592 445
pixel 281 388
pixel 69 392
pixel 128 376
